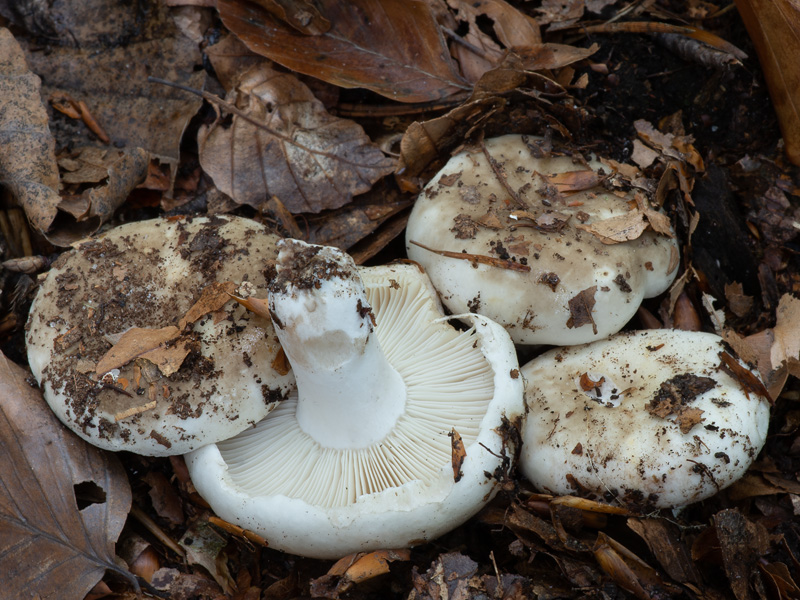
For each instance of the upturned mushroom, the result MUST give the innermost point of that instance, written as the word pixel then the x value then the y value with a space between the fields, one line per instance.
pixel 537 244
pixel 648 419
pixel 397 431
pixel 137 346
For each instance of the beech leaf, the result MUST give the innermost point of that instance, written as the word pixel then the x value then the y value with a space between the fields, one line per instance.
pixel 27 149
pixel 392 47
pixel 285 144
pixel 135 342
pixel 774 26
pixel 50 549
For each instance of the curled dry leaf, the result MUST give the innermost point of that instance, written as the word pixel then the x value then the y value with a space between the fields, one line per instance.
pixel 774 26
pixel 118 171
pixel 27 149
pixel 49 548
pixel 392 47
pixel 284 143
pixel 135 342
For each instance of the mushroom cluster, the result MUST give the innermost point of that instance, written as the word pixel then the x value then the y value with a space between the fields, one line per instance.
pixel 537 244
pixel 398 430
pixel 136 346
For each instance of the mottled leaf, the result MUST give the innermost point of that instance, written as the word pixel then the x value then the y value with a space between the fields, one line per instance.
pixel 27 149
pixel 282 142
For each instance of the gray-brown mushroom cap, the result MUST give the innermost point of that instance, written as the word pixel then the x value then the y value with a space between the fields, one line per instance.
pixel 541 272
pixel 208 379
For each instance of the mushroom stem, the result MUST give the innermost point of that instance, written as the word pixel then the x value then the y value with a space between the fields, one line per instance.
pixel 349 396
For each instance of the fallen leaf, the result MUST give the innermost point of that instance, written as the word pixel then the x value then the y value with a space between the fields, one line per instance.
pixel 354 569
pixel 204 547
pixel 674 396
pixel 663 538
pixel 168 359
pixel 124 170
pixel 774 26
pixel 27 152
pixel 135 342
pixel 574 181
pixel 64 502
pixel 392 47
pixel 112 79
pixel 742 544
pixel 302 15
pixel 213 297
pixel 621 228
pixel 580 309
pixel 282 142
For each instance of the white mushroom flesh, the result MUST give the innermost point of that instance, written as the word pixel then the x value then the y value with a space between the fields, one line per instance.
pixel 649 419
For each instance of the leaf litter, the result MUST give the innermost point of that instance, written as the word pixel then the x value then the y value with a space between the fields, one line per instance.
pixel 501 74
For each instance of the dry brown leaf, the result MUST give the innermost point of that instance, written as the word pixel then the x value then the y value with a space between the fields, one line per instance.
pixel 774 26
pixel 786 346
pixel 27 149
pixel 458 454
pixel 580 309
pixel 50 549
pixel 285 144
pixel 621 228
pixel 302 15
pixel 354 569
pixel 392 47
pixel 677 147
pixel 230 59
pixel 513 29
pixel 168 359
pixel 213 297
pixel 574 181
pixel 739 302
pixel 135 342
pixel 124 170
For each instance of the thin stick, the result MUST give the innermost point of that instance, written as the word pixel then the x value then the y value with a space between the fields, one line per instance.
pixel 478 258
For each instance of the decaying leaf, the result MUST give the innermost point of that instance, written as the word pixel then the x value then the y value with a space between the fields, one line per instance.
pixel 213 297
pixel 300 14
pixel 135 342
pixel 113 81
pixel 774 26
pixel 205 547
pixel 580 309
pixel 124 170
pixel 742 544
pixel 27 150
pixel 674 396
pixel 392 47
pixel 49 548
pixel 621 228
pixel 283 143
pixel 354 569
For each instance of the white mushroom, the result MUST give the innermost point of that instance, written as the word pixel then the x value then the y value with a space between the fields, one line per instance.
pixel 538 261
pixel 368 454
pixel 657 418
pixel 129 291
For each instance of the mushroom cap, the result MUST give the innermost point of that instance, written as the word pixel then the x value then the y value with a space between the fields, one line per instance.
pixel 620 419
pixel 577 288
pixel 147 275
pixel 326 502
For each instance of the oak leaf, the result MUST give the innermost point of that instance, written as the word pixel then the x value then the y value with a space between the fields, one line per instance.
pixel 49 548
pixel 283 143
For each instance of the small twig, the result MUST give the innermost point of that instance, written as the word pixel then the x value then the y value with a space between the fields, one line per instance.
pixel 501 177
pixel 478 258
pixel 151 526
